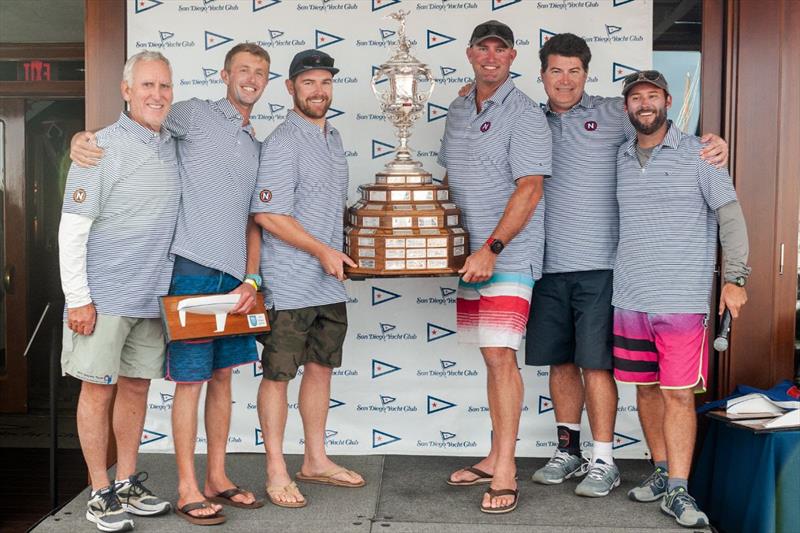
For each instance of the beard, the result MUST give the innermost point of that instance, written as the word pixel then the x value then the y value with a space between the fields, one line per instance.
pixel 310 110
pixel 647 129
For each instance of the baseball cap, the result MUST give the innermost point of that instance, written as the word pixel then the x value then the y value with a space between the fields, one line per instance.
pixel 652 77
pixel 492 28
pixel 311 60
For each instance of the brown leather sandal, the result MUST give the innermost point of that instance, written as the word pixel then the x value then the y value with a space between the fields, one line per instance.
pixel 496 493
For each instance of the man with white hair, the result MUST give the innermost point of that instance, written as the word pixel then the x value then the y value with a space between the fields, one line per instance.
pixel 116 229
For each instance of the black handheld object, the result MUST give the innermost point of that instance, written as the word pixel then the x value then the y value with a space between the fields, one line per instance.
pixel 721 342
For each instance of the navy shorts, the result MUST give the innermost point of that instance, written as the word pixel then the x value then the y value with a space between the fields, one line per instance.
pixel 195 361
pixel 571 320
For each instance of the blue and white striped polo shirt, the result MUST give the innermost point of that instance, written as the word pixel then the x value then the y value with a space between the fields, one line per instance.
pixel 218 163
pixel 133 196
pixel 303 174
pixel 581 222
pixel 485 153
pixel 668 226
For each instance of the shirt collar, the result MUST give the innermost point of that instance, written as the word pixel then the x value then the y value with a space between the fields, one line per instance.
pixel 233 115
pixel 672 140
pixel 294 118
pixel 586 102
pixel 499 95
pixel 140 132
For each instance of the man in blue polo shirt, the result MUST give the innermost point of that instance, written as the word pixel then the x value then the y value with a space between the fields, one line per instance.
pixel 496 149
pixel 570 327
pixel 216 250
pixel 116 227
pixel 299 202
pixel 670 201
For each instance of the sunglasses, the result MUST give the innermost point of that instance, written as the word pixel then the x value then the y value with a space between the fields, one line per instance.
pixel 317 61
pixel 492 29
pixel 649 75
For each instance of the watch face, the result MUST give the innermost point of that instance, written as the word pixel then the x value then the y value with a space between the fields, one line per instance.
pixel 497 246
pixel 741 281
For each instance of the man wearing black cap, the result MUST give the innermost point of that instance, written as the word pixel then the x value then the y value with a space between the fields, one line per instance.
pixel 299 202
pixel 497 151
pixel 670 201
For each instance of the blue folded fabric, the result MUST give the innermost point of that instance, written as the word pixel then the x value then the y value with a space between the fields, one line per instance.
pixel 785 391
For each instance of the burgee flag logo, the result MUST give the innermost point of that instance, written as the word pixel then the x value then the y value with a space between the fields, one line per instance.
pixel 149 436
pixel 381 368
pixel 381 438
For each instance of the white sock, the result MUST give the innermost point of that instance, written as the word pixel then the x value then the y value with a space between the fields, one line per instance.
pixel 573 427
pixel 602 450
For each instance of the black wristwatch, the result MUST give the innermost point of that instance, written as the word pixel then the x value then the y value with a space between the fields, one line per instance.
pixel 739 281
pixel 495 245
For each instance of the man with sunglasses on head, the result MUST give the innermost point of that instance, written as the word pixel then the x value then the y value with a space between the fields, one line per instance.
pixel 496 149
pixel 299 202
pixel 570 325
pixel 670 203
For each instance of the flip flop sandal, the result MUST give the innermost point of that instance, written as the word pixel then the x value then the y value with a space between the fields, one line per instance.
pixel 482 478
pixel 495 493
pixel 208 520
pixel 274 492
pixel 326 478
pixel 226 498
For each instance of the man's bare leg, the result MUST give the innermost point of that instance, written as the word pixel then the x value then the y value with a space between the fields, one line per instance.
pixel 505 391
pixel 601 403
pixel 680 429
pixel 315 393
pixel 650 403
pixel 273 410
pixel 130 408
pixel 184 434
pixel 567 393
pixel 94 404
pixel 218 424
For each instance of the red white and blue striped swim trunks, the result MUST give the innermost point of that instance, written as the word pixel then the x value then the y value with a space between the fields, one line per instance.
pixel 670 349
pixel 493 313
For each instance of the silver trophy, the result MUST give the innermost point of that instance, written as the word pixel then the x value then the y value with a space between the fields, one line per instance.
pixel 410 85
pixel 404 224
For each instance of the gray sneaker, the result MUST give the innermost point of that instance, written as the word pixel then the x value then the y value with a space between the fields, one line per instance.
pixel 680 505
pixel 601 479
pixel 561 466
pixel 105 511
pixel 651 489
pixel 138 499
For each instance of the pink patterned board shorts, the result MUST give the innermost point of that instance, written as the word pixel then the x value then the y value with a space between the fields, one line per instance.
pixel 669 349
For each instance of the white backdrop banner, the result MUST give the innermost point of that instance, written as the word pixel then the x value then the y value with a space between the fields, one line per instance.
pixel 406 386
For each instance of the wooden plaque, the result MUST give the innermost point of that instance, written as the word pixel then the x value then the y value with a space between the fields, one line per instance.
pixel 205 326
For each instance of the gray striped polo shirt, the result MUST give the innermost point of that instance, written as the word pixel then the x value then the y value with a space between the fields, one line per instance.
pixel 218 162
pixel 303 174
pixel 668 226
pixel 581 222
pixel 132 196
pixel 485 153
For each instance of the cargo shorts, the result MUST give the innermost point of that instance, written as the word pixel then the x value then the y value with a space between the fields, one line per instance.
pixel 299 336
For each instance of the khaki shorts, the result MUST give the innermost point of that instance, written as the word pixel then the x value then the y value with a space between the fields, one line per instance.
pixel 300 336
pixel 118 346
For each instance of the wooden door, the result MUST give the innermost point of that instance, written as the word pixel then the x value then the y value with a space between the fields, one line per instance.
pixel 13 259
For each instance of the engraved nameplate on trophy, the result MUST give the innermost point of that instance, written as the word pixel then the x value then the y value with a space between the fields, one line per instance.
pixel 404 224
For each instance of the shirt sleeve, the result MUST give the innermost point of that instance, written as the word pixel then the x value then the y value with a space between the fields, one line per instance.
pixel 735 245
pixel 715 183
pixel 73 235
pixel 87 189
pixel 276 180
pixel 442 157
pixel 181 117
pixel 531 147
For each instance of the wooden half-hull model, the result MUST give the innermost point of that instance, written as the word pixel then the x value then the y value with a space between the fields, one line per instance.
pixel 404 224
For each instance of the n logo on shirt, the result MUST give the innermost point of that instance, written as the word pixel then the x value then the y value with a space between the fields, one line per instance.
pixel 265 195
pixel 79 196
